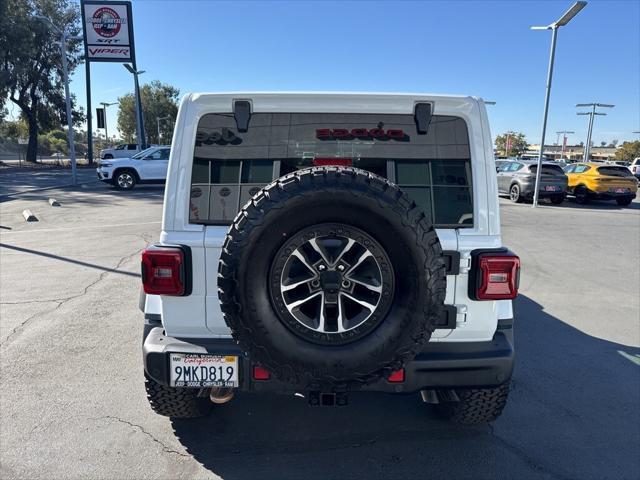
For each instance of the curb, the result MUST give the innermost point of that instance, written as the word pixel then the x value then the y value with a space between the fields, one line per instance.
pixel 28 216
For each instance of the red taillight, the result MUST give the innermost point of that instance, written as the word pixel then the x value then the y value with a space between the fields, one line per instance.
pixel 332 162
pixel 396 377
pixel 260 373
pixel 163 271
pixel 498 275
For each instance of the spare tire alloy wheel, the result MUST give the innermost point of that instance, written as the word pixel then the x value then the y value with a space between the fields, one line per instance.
pixel 332 283
pixel 331 278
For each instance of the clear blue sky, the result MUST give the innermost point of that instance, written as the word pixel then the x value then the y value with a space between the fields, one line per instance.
pixel 480 48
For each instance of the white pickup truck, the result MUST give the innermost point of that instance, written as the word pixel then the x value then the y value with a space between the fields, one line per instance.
pixel 124 150
pixel 325 243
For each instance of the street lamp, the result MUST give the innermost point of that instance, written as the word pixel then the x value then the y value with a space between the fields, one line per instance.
pixel 105 105
pixel 158 119
pixel 564 134
pixel 561 22
pixel 64 36
pixel 140 130
pixel 592 114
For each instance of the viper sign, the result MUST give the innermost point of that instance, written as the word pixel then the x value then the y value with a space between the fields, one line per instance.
pixel 108 31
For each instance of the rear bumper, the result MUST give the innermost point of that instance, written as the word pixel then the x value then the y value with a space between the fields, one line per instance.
pixel 439 365
pixel 610 195
pixel 527 189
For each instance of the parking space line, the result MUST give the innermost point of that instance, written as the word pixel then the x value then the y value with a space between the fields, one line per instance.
pixel 635 358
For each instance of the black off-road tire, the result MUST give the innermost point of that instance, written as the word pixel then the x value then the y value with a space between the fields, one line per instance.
pixel 557 200
pixel 476 405
pixel 623 202
pixel 176 402
pixel 301 201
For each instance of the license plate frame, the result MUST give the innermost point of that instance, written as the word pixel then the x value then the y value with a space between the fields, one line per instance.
pixel 550 188
pixel 197 370
pixel 619 190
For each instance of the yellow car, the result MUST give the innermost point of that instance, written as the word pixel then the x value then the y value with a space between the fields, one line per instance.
pixel 601 181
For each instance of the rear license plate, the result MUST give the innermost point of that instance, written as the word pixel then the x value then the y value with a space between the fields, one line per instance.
pixel 550 188
pixel 201 371
pixel 620 190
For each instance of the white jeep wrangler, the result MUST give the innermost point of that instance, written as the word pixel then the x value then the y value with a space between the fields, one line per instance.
pixel 326 243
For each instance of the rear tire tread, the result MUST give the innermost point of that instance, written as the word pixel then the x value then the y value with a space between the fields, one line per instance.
pixel 476 405
pixel 175 402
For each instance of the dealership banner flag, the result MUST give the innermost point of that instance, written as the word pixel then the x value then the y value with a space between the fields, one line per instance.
pixel 108 31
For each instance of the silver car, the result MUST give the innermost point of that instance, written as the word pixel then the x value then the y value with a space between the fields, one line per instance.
pixel 517 180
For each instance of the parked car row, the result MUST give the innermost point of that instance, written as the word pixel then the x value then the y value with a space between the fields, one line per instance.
pixel 516 177
pixel 584 181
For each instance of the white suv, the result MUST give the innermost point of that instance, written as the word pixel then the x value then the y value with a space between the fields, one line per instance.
pixel 148 166
pixel 635 167
pixel 326 243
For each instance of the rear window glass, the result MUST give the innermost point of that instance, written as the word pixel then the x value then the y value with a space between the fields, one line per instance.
pixel 548 169
pixel 230 166
pixel 615 171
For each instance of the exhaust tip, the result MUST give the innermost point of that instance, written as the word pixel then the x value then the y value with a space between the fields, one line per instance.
pixel 220 395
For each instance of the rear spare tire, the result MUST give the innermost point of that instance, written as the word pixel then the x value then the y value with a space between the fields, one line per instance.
pixel 331 277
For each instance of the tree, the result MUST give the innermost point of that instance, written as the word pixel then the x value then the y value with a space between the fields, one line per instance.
pixel 158 100
pixel 613 144
pixel 517 140
pixel 14 130
pixel 603 144
pixel 31 62
pixel 628 151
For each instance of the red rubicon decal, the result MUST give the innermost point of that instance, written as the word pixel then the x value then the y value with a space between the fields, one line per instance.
pixel 345 134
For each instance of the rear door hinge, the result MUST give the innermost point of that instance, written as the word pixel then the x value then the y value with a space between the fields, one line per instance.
pixel 452 262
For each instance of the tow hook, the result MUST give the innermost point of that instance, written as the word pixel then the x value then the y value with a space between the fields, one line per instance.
pixel 330 399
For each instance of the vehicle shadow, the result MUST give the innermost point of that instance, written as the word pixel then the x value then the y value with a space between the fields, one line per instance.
pixel 85 194
pixel 573 413
pixel 598 205
pixel 570 202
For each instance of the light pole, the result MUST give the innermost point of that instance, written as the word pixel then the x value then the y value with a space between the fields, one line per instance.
pixel 140 130
pixel 564 134
pixel 592 114
pixel 561 22
pixel 158 119
pixel 106 133
pixel 64 36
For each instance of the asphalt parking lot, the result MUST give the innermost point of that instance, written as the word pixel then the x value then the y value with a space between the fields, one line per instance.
pixel 72 399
